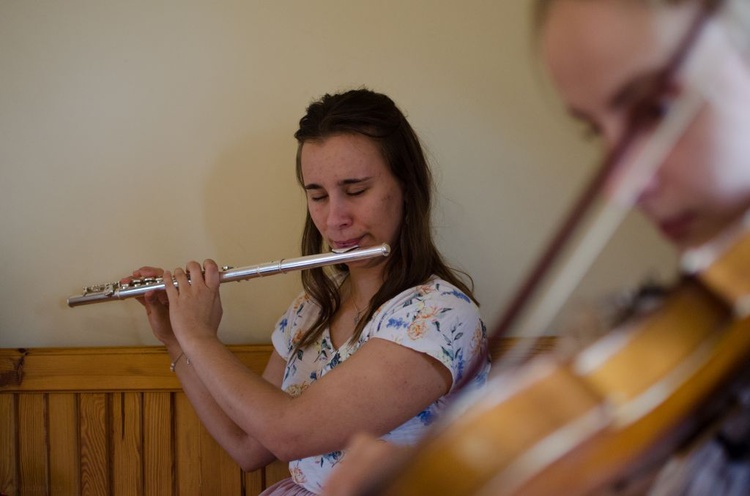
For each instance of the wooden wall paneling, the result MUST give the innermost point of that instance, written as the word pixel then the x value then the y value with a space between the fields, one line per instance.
pixel 127 443
pixel 276 471
pixel 158 444
pixel 187 432
pixel 95 448
pixel 32 444
pixel 112 421
pixel 8 454
pixel 219 473
pixel 102 369
pixel 64 447
pixel 254 482
pixel 97 369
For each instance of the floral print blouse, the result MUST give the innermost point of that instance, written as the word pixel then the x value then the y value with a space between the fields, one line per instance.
pixel 434 318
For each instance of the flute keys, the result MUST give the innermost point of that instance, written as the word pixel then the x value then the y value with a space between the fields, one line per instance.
pixel 143 282
pixel 107 289
pixel 134 283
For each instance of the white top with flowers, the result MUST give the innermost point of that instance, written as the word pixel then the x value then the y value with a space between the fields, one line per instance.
pixel 434 318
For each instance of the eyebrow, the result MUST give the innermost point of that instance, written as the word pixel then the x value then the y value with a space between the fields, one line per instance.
pixel 344 182
pixel 579 115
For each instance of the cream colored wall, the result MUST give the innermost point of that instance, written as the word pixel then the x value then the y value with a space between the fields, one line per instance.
pixel 151 132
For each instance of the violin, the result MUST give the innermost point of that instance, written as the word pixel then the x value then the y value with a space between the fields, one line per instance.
pixel 582 423
pixel 612 409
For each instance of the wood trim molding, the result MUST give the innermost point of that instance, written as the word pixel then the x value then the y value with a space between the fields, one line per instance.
pixel 102 369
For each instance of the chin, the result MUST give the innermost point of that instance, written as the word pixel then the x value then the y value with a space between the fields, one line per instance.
pixel 692 242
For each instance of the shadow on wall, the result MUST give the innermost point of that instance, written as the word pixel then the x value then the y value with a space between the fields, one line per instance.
pixel 254 213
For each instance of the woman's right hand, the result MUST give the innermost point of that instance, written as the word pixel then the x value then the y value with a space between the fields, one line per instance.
pixel 157 305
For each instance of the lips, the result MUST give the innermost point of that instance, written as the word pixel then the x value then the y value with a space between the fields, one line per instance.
pixel 677 227
pixel 349 243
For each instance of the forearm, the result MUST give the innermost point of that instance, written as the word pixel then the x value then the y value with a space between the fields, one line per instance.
pixel 242 447
pixel 381 386
pixel 253 405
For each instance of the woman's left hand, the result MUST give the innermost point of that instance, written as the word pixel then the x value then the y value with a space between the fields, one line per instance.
pixel 195 306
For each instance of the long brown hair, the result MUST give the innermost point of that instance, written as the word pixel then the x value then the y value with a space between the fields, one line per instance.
pixel 414 258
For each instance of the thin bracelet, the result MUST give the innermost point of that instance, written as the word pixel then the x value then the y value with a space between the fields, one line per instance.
pixel 174 364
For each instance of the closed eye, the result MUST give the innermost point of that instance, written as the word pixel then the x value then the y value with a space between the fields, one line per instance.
pixel 647 100
pixel 650 112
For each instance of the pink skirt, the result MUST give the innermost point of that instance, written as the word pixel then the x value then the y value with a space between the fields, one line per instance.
pixel 286 487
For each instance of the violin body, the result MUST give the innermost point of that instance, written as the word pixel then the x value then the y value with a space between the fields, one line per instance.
pixel 582 424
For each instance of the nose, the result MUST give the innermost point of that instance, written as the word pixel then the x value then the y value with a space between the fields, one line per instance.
pixel 339 213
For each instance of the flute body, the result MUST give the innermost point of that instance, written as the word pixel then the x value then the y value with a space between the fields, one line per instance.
pixel 139 287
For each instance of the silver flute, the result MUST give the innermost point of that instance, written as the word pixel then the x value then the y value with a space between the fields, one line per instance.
pixel 139 287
